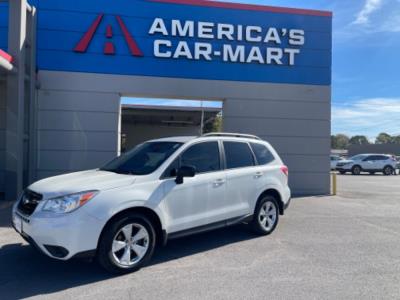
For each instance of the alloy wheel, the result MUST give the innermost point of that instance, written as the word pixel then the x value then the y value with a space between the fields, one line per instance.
pixel 267 215
pixel 387 171
pixel 130 244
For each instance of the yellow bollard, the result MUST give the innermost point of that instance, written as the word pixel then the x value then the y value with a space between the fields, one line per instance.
pixel 334 183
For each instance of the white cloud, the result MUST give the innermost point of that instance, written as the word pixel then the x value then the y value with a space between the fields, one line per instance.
pixel 367 117
pixel 369 8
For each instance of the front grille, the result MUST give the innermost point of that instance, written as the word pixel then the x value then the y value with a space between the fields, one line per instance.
pixel 28 202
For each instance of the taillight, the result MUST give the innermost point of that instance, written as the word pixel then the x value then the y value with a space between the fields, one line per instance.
pixel 285 170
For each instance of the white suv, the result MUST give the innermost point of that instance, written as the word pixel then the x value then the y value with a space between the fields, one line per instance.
pixel 371 163
pixel 161 189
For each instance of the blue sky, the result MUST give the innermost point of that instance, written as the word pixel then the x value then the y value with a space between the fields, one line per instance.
pixel 366 63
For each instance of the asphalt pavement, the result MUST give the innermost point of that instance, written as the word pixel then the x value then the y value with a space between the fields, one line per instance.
pixel 342 247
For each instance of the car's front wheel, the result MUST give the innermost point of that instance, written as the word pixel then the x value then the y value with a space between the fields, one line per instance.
pixel 266 215
pixel 356 170
pixel 126 244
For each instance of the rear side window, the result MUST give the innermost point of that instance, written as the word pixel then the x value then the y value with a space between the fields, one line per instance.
pixel 238 155
pixel 369 158
pixel 263 155
pixel 381 157
pixel 203 156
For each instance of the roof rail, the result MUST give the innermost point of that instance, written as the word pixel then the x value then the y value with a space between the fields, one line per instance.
pixel 249 136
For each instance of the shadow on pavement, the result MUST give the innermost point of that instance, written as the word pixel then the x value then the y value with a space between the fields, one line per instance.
pixel 367 174
pixel 24 272
pixel 5 214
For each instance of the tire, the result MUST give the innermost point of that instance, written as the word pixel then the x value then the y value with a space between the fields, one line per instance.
pixel 267 213
pixel 132 254
pixel 356 170
pixel 342 172
pixel 388 170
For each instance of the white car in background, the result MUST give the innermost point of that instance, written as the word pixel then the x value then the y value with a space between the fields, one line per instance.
pixel 334 160
pixel 159 190
pixel 371 163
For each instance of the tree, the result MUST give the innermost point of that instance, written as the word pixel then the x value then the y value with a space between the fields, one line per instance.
pixel 384 138
pixel 359 140
pixel 213 125
pixel 217 124
pixel 339 141
pixel 396 139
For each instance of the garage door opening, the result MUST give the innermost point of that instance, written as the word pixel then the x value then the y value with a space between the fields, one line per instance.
pixel 143 119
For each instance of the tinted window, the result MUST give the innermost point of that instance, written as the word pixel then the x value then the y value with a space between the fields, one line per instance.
pixel 238 155
pixel 376 157
pixel 171 170
pixel 203 156
pixel 143 159
pixel 358 157
pixel 263 155
pixel 369 158
pixel 381 157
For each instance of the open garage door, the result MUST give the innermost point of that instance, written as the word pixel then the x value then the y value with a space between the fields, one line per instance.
pixel 145 119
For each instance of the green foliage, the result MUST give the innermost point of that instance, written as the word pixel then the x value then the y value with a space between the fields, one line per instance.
pixel 339 141
pixel 359 140
pixel 396 139
pixel 384 138
pixel 214 126
pixel 342 141
pixel 217 124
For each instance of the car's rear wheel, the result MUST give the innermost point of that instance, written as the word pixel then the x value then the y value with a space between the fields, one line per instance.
pixel 266 215
pixel 126 244
pixel 356 170
pixel 388 170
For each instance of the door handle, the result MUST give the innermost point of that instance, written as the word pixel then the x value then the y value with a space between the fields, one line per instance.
pixel 219 182
pixel 258 174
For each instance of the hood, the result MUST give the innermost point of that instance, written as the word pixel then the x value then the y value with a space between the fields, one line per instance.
pixel 345 161
pixel 80 181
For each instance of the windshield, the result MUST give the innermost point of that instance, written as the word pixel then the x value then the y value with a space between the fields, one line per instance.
pixel 358 157
pixel 143 159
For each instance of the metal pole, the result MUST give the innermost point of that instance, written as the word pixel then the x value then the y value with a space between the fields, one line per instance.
pixel 334 183
pixel 202 119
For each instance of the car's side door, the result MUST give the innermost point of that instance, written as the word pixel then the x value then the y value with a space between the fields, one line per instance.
pixel 381 161
pixel 190 204
pixel 368 163
pixel 241 178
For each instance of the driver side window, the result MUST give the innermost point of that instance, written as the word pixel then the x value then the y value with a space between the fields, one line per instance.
pixel 203 156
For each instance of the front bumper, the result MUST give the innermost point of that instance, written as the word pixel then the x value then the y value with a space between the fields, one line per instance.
pixel 343 168
pixel 59 237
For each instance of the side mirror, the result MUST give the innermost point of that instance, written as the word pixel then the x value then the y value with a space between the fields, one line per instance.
pixel 184 171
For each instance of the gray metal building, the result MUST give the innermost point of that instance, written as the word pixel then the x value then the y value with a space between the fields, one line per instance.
pixel 393 149
pixel 64 120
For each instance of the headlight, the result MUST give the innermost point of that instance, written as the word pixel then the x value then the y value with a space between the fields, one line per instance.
pixel 68 203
